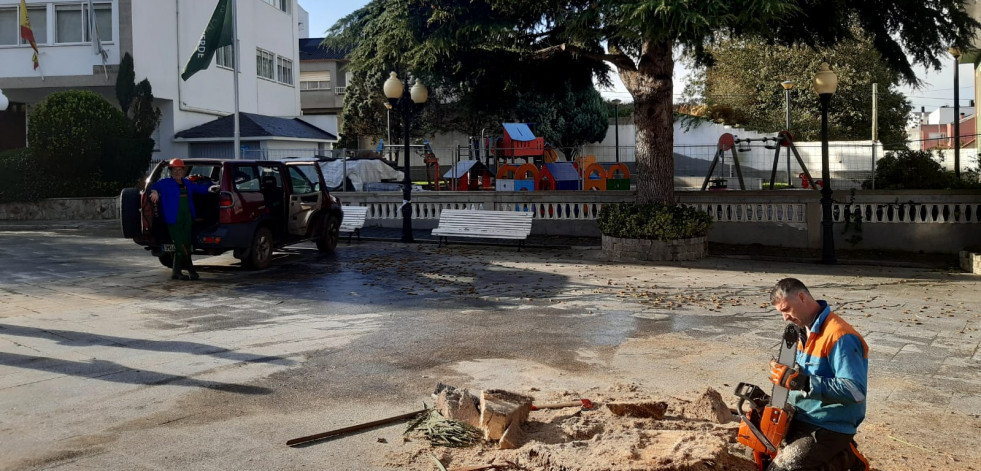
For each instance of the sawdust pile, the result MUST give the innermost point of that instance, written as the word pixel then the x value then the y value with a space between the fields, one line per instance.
pixel 674 433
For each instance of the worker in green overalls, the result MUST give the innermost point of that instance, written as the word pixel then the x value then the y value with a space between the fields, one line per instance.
pixel 175 196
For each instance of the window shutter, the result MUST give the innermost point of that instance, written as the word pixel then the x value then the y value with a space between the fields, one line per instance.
pixel 322 76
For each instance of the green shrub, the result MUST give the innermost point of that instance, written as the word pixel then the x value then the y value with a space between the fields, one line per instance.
pixel 16 183
pixel 914 170
pixel 653 221
pixel 125 160
pixel 70 132
pixel 22 179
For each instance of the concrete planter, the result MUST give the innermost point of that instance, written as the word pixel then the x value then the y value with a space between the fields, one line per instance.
pixel 970 262
pixel 617 249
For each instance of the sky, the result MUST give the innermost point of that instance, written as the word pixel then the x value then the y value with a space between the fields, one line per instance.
pixel 938 89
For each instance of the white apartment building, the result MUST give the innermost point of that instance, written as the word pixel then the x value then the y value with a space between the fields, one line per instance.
pixel 160 35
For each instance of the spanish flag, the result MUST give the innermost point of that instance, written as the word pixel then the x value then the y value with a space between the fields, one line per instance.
pixel 25 30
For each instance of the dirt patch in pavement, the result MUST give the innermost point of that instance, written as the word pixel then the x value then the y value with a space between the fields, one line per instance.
pixel 688 437
pixel 696 433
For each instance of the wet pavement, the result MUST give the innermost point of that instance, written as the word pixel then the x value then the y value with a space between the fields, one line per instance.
pixel 105 363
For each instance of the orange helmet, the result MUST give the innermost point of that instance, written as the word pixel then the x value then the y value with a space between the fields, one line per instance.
pixel 175 163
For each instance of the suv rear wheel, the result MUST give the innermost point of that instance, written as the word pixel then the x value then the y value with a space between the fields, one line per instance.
pixel 328 240
pixel 260 254
pixel 167 259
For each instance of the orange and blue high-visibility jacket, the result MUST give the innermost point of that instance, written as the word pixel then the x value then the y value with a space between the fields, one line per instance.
pixel 836 358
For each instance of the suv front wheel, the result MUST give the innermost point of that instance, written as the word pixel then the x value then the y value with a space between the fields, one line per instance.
pixel 260 254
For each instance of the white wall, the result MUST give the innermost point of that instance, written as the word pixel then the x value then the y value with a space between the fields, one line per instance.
pixel 55 60
pixel 701 142
pixel 945 115
pixel 303 22
pixel 327 122
pixel 968 159
pixel 166 33
pixel 210 90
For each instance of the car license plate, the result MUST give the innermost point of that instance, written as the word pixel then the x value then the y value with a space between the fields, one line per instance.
pixel 168 247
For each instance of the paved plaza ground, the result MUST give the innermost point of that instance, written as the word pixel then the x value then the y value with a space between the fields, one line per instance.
pixel 105 363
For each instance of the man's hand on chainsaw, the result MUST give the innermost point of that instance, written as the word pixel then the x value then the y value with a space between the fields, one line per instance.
pixel 789 377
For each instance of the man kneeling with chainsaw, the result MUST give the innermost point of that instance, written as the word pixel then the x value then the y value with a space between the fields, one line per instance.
pixel 828 384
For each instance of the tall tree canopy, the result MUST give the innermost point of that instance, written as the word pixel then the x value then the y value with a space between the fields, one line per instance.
pixel 460 45
pixel 742 86
pixel 475 83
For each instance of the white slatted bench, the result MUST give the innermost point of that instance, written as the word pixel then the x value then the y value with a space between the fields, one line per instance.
pixel 353 221
pixel 483 224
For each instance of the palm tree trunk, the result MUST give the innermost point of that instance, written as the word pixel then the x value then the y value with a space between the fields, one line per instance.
pixel 652 88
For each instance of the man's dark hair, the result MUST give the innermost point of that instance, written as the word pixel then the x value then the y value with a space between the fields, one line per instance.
pixel 787 287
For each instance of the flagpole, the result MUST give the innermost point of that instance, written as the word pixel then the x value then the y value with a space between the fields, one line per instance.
pixel 96 39
pixel 235 56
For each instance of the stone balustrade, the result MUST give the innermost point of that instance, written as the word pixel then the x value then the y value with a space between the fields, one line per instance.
pixel 928 221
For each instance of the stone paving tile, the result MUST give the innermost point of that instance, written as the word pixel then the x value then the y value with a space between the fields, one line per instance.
pixel 14 377
pixel 960 369
pixel 138 350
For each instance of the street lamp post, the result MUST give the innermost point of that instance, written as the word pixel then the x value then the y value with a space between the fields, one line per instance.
pixel 787 85
pixel 825 85
pixel 406 101
pixel 957 111
pixel 388 122
pixel 616 126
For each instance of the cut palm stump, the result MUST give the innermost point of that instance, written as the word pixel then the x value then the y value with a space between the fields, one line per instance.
pixel 501 415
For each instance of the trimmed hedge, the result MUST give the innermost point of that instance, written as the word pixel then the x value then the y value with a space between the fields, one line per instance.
pixel 653 221
pixel 70 132
pixel 80 146
pixel 22 179
pixel 17 169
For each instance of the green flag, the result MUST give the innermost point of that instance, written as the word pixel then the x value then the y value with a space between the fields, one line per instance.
pixel 217 34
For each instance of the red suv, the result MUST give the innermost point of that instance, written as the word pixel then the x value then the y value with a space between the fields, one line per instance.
pixel 254 207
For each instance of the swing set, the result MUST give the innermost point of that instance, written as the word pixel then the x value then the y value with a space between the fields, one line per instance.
pixel 728 143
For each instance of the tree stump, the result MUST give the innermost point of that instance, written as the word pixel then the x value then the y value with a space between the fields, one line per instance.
pixel 501 416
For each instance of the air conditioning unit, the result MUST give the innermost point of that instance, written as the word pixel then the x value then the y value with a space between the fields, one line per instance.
pixel 340 90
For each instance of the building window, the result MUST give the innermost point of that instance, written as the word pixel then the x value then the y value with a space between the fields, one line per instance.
pixel 103 22
pixel 39 24
pixel 283 5
pixel 264 61
pixel 284 70
pixel 315 80
pixel 225 56
pixel 9 26
pixel 71 23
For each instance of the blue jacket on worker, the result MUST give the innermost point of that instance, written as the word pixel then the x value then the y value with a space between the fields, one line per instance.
pixel 170 193
pixel 836 358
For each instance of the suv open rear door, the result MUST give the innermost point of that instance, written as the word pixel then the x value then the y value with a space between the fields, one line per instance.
pixel 306 198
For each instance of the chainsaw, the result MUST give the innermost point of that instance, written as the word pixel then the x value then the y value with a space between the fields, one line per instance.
pixel 764 425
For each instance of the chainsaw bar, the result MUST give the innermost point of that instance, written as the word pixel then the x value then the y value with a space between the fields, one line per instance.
pixel 788 358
